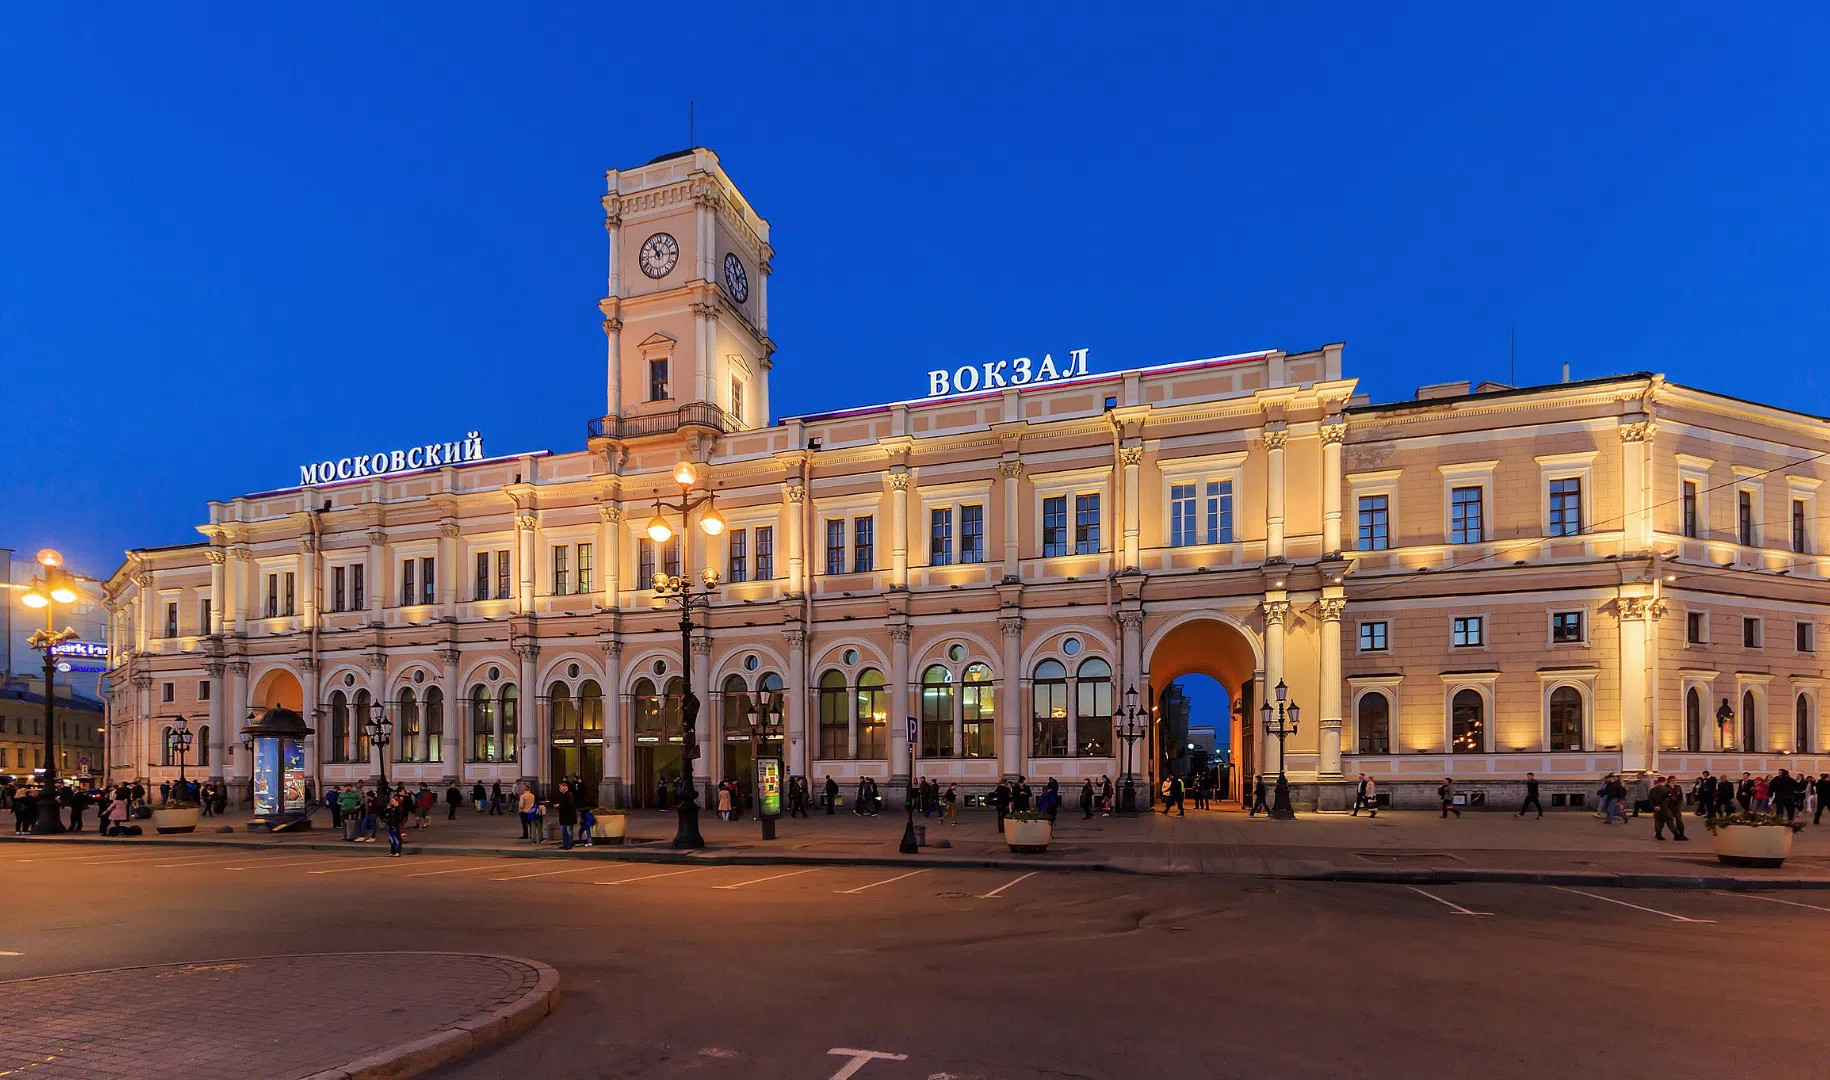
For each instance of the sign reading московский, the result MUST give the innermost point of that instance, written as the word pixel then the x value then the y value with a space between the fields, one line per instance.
pixel 431 455
pixel 991 375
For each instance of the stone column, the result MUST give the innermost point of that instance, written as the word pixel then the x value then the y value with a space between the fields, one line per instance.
pixel 1329 758
pixel 1010 705
pixel 611 788
pixel 143 630
pixel 1133 458
pixel 218 589
pixel 1635 721
pixel 899 527
pixel 528 734
pixel 308 581
pixel 800 755
pixel 236 577
pixel 448 574
pixel 1011 469
pixel 309 694
pixel 1635 496
pixel 705 324
pixel 613 337
pixel 795 494
pixel 377 574
pixel 708 718
pixel 1132 674
pixel 1276 620
pixel 145 738
pixel 1334 432
pixel 456 736
pixel 218 705
pixel 899 704
pixel 526 543
pixel 238 707
pixel 1274 437
pixel 610 554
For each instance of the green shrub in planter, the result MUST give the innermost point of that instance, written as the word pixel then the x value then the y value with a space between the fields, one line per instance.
pixel 1027 815
pixel 1758 821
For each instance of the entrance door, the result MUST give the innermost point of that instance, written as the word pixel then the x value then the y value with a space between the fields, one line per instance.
pixel 738 766
pixel 654 763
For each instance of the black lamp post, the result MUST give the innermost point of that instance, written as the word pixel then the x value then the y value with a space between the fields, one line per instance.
pixel 48 589
pixel 380 731
pixel 247 746
pixel 181 745
pixel 1130 723
pixel 1281 723
pixel 765 727
pixel 688 593
pixel 1724 717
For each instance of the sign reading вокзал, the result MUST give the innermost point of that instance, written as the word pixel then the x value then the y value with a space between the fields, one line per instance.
pixel 993 374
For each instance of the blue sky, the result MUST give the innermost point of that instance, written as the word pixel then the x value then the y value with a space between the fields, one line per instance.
pixel 239 237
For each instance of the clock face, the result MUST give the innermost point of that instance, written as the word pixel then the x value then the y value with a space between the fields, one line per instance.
pixel 735 279
pixel 659 254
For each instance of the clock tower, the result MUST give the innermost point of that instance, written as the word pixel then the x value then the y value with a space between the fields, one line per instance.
pixel 687 313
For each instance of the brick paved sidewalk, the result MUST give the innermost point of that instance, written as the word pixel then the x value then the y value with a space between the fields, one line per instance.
pixel 269 1016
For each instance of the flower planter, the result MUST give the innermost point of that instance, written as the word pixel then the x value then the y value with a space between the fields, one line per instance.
pixel 1752 845
pixel 1028 837
pixel 181 819
pixel 609 828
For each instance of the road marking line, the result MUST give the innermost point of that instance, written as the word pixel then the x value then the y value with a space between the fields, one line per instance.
pixel 1008 884
pixel 458 870
pixel 860 1058
pixel 200 859
pixel 1635 907
pixel 546 873
pixel 771 877
pixel 11 954
pixel 380 864
pixel 1772 900
pixel 283 862
pixel 885 881
pixel 1457 908
pixel 651 877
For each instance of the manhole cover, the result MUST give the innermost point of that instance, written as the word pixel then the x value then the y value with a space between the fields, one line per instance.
pixel 952 895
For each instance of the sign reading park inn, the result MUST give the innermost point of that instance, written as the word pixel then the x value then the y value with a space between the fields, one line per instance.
pixel 998 373
pixel 382 463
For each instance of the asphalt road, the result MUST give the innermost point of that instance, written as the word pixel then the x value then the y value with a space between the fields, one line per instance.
pixel 763 972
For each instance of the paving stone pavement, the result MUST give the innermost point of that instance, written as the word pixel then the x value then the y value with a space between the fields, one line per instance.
pixel 267 1016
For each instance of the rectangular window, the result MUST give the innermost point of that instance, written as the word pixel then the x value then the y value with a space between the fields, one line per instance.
pixel 356 574
pixel 1566 507
pixel 273 595
pixel 203 616
pixel 503 583
pixel 765 552
pixel 203 689
pixel 171 619
pixel 1566 628
pixel 428 581
pixel 1744 517
pixel 737 564
pixel 670 557
pixel 835 545
pixel 339 588
pixel 1690 508
pixel 408 596
pixel 1466 631
pixel 292 605
pixel 167 692
pixel 1086 524
pixel 582 568
pixel 644 564
pixel 863 557
pixel 1696 627
pixel 1182 515
pixel 971 534
pixel 940 536
pixel 1372 637
pixel 1798 525
pixel 1054 526
pixel 482 582
pixel 1465 516
pixel 1807 637
pixel 562 562
pixel 1219 511
pixel 737 398
pixel 657 380
pixel 1375 522
pixel 1750 633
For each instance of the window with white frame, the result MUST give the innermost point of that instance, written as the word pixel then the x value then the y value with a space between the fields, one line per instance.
pixel 971 533
pixel 1751 634
pixel 1465 631
pixel 1566 479
pixel 1693 495
pixel 737 558
pixel 1744 517
pixel 1567 628
pixel 1466 520
pixel 1806 636
pixel 1696 627
pixel 1198 494
pixel 940 536
pixel 765 552
pixel 1566 506
pixel 1373 636
pixel 1374 522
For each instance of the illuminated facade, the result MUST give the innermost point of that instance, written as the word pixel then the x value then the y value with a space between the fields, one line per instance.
pixel 1566 579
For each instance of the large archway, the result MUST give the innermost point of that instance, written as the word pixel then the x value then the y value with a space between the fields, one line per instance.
pixel 1219 650
pixel 278 688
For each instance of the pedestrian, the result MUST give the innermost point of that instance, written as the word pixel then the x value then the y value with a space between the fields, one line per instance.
pixel 454 798
pixel 1763 796
pixel 1785 795
pixel 114 816
pixel 1725 795
pixel 1105 795
pixel 1163 794
pixel 797 797
pixel 479 797
pixel 952 801
pixel 1667 809
pixel 1705 791
pixel 568 816
pixel 524 809
pixel 871 798
pixel 1052 795
pixel 1363 797
pixel 1809 787
pixel 1744 792
pixel 496 798
pixel 724 800
pixel 660 793
pixel 1614 798
pixel 1259 793
pixel 1176 791
pixel 372 806
pixel 1531 796
pixel 1020 795
pixel 222 799
pixel 396 814
pixel 830 794
pixel 1086 800
pixel 349 800
pixel 1446 793
pixel 1639 792
pixel 1000 800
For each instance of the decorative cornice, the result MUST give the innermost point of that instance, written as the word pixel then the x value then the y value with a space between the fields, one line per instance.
pixel 214 668
pixel 797 494
pixel 309 664
pixel 613 649
pixel 238 668
pixel 142 681
pixel 375 661
pixel 797 639
pixel 242 554
pixel 1130 620
pixel 308 544
pixel 377 538
pixel 613 326
pixel 528 651
pixel 702 646
pixel 1632 431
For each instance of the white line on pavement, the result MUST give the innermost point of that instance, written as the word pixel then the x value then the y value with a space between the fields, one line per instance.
pixel 860 1058
pixel 1772 900
pixel 547 873
pixel 1007 885
pixel 1635 907
pixel 378 864
pixel 200 859
pixel 283 862
pixel 1457 908
pixel 651 877
pixel 771 877
pixel 885 881
pixel 459 869
pixel 11 954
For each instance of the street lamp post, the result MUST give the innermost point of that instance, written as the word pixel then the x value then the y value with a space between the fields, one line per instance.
pixel 181 745
pixel 380 731
pixel 1130 722
pixel 51 587
pixel 688 593
pixel 1281 723
pixel 765 727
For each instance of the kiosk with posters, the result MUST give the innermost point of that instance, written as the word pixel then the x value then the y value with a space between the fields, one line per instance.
pixel 277 743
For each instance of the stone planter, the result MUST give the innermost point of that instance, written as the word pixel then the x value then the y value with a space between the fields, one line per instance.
pixel 609 828
pixel 1028 837
pixel 180 819
pixel 1752 845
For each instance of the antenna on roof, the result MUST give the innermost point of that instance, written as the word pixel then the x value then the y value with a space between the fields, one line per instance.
pixel 690 143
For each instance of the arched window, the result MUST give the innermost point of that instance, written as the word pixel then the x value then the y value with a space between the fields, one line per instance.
pixel 168 754
pixel 1566 718
pixel 1750 743
pixel 1467 723
pixel 673 697
pixel 482 724
pixel 645 707
pixel 364 706
pixel 769 692
pixel 339 726
pixel 1375 723
pixel 873 716
pixel 510 701
pixel 203 740
pixel 562 717
pixel 978 704
pixel 1801 740
pixel 406 729
pixel 1048 710
pixel 591 708
pixel 835 717
pixel 434 709
pixel 1693 721
pixel 1093 708
pixel 736 707
pixel 936 712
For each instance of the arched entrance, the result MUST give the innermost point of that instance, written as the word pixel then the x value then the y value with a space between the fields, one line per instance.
pixel 277 688
pixel 1222 651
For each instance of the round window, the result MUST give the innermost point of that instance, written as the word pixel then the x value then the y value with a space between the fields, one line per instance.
pixel 1071 646
pixel 750 662
pixel 851 656
pixel 956 652
pixel 572 672
pixel 419 676
pixel 495 673
pixel 660 667
pixel 349 680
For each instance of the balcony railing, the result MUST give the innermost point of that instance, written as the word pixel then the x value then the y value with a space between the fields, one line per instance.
pixel 695 414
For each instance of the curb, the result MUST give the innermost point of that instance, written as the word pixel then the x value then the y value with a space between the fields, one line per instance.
pixel 1730 883
pixel 465 1037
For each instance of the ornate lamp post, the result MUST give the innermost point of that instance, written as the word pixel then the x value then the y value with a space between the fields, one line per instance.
pixel 1281 723
pixel 380 731
pixel 51 587
pixel 1130 723
pixel 682 589
pixel 181 745
pixel 766 727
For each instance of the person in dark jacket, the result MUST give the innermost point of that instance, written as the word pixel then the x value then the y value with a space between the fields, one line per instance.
pixel 832 794
pixel 495 798
pixel 1705 790
pixel 1531 795
pixel 453 799
pixel 1785 795
pixel 1000 800
pixel 395 813
pixel 1086 801
pixel 1259 793
pixel 1744 792
pixel 1823 796
pixel 568 815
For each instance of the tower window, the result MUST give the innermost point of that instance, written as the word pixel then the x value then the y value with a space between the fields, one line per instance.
pixel 657 380
pixel 737 398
